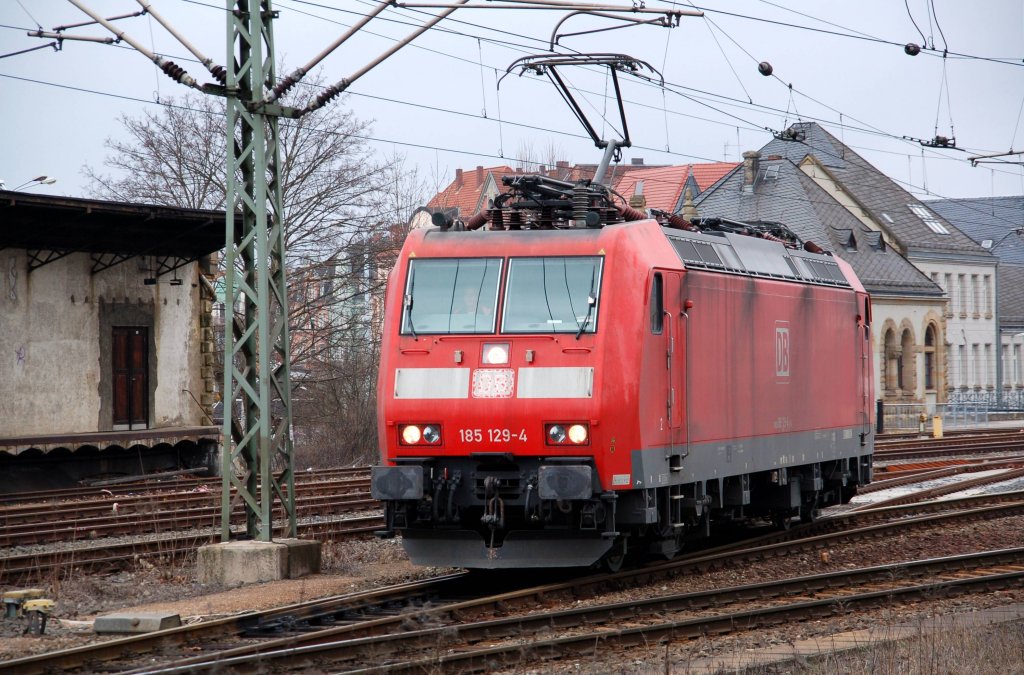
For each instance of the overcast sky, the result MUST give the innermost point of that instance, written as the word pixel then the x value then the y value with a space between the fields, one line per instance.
pixel 839 63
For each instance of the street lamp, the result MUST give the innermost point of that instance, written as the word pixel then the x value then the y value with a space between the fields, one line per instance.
pixel 39 180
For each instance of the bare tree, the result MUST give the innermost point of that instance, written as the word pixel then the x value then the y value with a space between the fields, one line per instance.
pixel 342 207
pixel 530 157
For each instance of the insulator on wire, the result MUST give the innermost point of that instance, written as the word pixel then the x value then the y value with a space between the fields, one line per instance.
pixel 911 49
pixel 173 70
pixel 580 202
pixel 764 68
pixel 478 221
pixel 329 94
pixel 679 223
pixel 629 214
pixel 220 73
pixel 283 86
pixel 497 218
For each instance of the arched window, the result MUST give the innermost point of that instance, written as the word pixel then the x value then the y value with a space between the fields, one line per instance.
pixel 890 362
pixel 929 357
pixel 908 362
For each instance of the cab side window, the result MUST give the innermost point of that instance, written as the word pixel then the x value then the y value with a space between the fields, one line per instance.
pixel 657 304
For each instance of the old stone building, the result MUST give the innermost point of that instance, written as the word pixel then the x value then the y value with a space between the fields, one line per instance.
pixel 105 328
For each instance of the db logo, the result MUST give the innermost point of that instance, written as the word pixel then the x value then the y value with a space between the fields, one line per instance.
pixel 782 349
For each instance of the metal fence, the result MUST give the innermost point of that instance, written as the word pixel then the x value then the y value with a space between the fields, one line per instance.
pixel 1012 399
pixel 920 416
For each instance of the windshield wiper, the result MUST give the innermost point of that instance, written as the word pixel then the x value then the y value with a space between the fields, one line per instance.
pixel 591 301
pixel 408 302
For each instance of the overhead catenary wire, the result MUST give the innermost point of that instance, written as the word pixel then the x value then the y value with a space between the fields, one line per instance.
pixel 717 96
pixel 464 151
pixel 174 71
pixel 756 126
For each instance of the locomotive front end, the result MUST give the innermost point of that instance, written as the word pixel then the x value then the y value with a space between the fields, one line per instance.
pixel 487 406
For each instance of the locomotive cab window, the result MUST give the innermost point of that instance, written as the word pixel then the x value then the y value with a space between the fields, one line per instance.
pixel 657 304
pixel 552 295
pixel 450 295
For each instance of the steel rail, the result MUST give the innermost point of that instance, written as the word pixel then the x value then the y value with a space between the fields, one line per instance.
pixel 777 543
pixel 879 583
pixel 111 555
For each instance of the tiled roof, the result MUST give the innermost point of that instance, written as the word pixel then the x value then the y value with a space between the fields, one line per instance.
pixel 792 198
pixel 882 198
pixel 663 185
pixel 466 191
pixel 707 175
pixel 988 218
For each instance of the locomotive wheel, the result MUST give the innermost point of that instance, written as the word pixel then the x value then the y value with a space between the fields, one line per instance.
pixel 613 560
pixel 783 520
pixel 809 513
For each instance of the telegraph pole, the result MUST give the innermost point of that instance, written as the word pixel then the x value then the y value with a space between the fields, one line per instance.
pixel 256 346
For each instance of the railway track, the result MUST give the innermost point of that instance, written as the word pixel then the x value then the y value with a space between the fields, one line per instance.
pixel 157 486
pixel 142 514
pixel 171 549
pixel 355 630
pixel 1009 440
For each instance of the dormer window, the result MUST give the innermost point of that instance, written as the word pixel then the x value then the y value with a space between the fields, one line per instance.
pixel 928 218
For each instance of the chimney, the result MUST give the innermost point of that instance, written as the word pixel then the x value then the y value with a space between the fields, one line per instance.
pixel 542 169
pixel 458 178
pixel 636 161
pixel 562 164
pixel 750 165
pixel 479 175
pixel 689 210
pixel 638 201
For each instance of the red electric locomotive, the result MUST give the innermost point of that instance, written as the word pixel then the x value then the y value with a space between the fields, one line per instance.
pixel 563 381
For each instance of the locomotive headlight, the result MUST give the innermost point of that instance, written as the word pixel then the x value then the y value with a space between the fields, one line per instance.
pixel 419 434
pixel 431 434
pixel 495 353
pixel 556 434
pixel 411 434
pixel 567 434
pixel 578 434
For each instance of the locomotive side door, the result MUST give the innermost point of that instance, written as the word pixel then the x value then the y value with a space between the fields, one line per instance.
pixel 675 350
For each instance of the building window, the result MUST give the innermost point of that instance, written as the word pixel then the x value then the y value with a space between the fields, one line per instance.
pixel 928 218
pixel 963 366
pixel 890 362
pixel 976 357
pixel 975 299
pixel 929 358
pixel 907 363
pixel 989 366
pixel 987 280
pixel 961 292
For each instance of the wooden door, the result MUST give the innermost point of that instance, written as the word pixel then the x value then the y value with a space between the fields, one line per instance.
pixel 131 384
